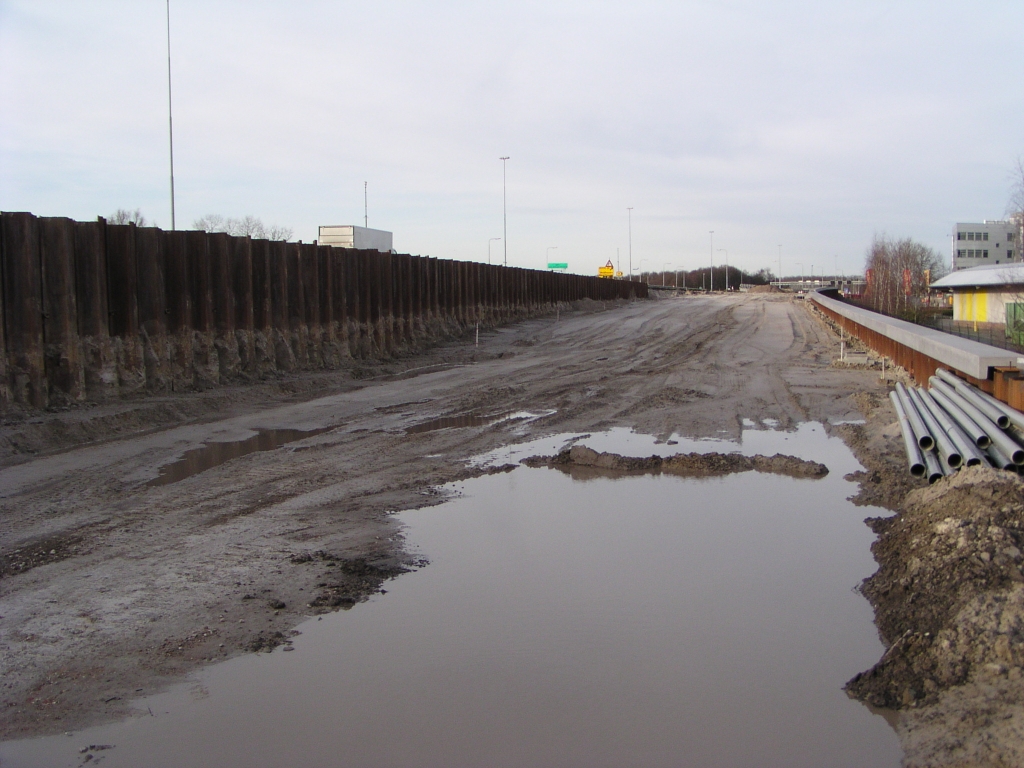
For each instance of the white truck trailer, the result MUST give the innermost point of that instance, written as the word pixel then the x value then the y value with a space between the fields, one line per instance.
pixel 351 236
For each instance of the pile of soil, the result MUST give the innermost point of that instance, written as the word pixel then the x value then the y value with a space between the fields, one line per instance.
pixel 683 464
pixel 949 605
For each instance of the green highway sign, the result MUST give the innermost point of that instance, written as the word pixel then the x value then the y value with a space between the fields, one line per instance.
pixel 558 265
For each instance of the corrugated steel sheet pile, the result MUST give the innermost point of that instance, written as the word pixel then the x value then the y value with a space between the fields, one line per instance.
pixel 954 424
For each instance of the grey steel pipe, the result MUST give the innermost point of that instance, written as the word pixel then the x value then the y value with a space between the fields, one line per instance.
pixel 1007 445
pixel 914 457
pixel 947 451
pixel 935 467
pixel 1016 418
pixel 924 438
pixel 965 447
pixel 973 396
pixel 1000 460
pixel 969 426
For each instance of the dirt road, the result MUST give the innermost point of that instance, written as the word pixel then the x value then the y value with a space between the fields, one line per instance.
pixel 112 587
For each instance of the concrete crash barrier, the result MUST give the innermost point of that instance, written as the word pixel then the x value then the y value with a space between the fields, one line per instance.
pixel 922 351
pixel 96 311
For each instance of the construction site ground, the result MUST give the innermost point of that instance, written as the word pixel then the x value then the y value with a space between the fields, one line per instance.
pixel 112 587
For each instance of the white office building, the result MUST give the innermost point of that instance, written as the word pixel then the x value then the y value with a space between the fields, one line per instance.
pixel 988 242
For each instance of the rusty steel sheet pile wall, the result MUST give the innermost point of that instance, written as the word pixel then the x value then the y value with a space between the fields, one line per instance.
pixel 921 351
pixel 92 311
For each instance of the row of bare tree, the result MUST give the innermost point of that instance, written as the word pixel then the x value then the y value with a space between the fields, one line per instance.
pixel 898 273
pixel 251 226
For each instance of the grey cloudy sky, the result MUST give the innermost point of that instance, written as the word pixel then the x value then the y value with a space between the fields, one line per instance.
pixel 810 124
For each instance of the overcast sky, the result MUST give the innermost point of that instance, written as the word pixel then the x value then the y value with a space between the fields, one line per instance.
pixel 813 125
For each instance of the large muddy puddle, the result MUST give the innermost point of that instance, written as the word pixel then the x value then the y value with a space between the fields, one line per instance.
pixel 629 621
pixel 214 454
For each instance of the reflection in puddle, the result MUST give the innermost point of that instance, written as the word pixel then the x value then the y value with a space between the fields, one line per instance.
pixel 804 442
pixel 455 422
pixel 644 620
pixel 475 420
pixel 213 454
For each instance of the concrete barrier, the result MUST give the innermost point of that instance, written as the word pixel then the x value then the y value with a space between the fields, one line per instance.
pixel 922 350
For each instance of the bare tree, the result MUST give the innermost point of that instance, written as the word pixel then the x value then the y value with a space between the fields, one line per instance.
pixel 246 226
pixel 899 273
pixel 122 216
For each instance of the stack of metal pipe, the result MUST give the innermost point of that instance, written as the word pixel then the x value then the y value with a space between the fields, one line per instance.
pixel 955 424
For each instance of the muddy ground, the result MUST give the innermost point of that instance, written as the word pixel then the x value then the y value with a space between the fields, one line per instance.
pixel 112 586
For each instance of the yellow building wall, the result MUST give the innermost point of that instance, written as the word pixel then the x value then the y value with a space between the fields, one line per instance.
pixel 981 306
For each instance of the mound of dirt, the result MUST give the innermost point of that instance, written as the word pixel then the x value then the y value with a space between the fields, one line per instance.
pixel 949 591
pixel 683 464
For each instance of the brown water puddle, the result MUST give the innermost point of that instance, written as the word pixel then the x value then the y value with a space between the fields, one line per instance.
pixel 645 620
pixel 214 454
pixel 456 422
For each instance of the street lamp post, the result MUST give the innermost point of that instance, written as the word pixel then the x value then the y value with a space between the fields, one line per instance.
pixel 640 269
pixel 504 210
pixel 170 121
pixel 489 248
pixel 630 209
pixel 726 268
pixel 712 262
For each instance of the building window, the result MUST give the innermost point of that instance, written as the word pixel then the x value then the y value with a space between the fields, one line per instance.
pixel 959 235
pixel 970 235
pixel 985 236
pixel 986 254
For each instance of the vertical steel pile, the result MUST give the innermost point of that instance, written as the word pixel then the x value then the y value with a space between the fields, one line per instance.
pixel 95 311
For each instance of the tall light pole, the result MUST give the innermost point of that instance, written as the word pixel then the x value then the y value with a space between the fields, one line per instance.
pixel 712 262
pixel 550 248
pixel 630 244
pixel 170 122
pixel 780 266
pixel 489 248
pixel 504 210
pixel 726 268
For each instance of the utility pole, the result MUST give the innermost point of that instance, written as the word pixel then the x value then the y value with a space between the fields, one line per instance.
pixel 630 244
pixel 170 122
pixel 712 262
pixel 504 210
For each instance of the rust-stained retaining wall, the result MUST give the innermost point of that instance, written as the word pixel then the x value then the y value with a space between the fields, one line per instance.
pixel 96 311
pixel 922 350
